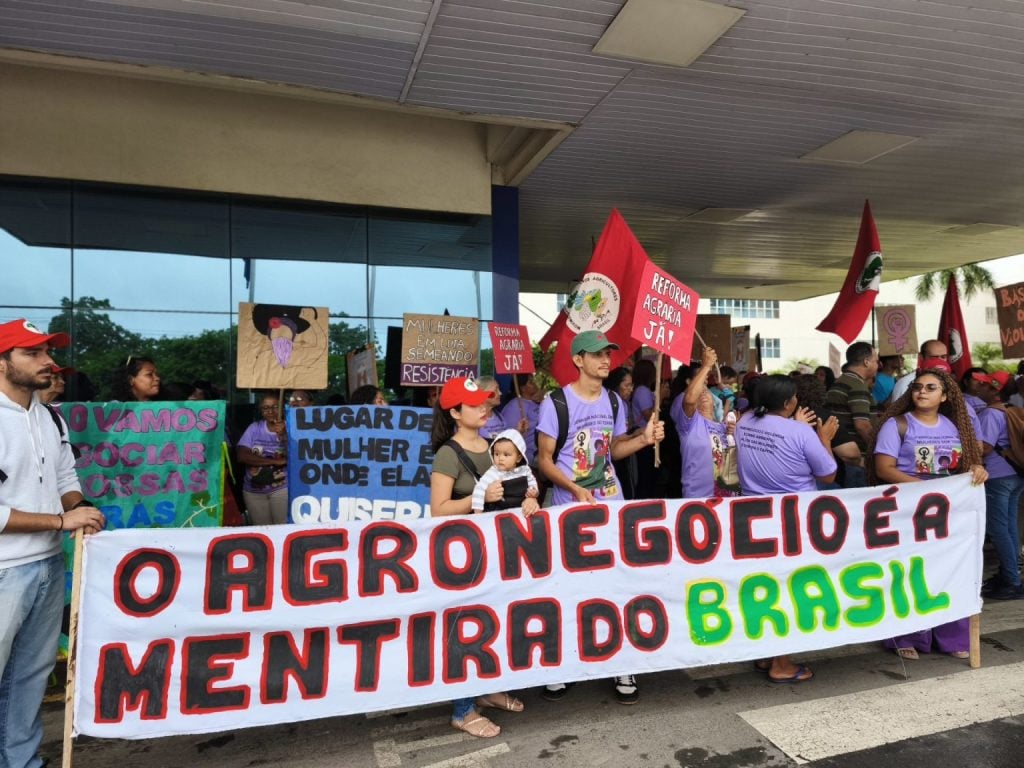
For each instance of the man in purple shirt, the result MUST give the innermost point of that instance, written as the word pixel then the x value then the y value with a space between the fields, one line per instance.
pixel 583 470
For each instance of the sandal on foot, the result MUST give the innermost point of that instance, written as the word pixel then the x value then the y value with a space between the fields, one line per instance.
pixel 802 675
pixel 502 701
pixel 907 653
pixel 960 654
pixel 763 665
pixel 478 726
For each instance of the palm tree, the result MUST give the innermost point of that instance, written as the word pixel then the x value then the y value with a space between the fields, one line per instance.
pixel 970 279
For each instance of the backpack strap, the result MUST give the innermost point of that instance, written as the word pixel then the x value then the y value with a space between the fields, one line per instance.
pixel 464 459
pixel 59 422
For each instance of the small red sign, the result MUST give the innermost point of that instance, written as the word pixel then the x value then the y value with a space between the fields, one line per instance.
pixel 512 350
pixel 666 313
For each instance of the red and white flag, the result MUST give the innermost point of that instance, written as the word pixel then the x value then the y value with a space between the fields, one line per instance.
pixel 604 300
pixel 860 289
pixel 953 332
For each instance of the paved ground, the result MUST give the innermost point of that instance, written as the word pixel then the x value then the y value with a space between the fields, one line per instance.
pixel 866 707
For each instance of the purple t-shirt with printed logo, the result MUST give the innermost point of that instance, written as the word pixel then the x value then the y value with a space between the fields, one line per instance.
pixel 777 455
pixel 586 457
pixel 262 442
pixel 702 443
pixel 925 451
pixel 994 432
pixel 642 400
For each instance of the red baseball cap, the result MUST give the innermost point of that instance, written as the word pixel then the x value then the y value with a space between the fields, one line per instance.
pixel 937 364
pixel 21 333
pixel 462 391
pixel 66 370
pixel 997 379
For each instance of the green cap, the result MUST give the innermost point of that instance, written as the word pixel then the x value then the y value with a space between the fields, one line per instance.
pixel 591 341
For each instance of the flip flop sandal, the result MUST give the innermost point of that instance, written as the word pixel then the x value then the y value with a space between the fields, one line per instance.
pixel 478 726
pixel 764 666
pixel 502 701
pixel 802 675
pixel 907 653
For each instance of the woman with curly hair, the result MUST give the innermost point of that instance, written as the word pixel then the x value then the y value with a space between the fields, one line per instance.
pixel 927 433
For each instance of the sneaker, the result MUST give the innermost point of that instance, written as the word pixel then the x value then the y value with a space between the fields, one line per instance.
pixel 555 691
pixel 626 690
pixel 990 585
pixel 1006 592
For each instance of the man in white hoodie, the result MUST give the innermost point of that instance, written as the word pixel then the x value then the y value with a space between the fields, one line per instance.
pixel 39 498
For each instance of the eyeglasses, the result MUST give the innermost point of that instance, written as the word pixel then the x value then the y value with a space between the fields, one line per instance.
pixel 925 387
pixel 268 407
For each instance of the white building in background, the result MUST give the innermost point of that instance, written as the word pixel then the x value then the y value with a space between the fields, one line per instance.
pixel 787 328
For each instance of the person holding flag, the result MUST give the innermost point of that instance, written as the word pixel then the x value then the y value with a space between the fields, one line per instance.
pixel 581 429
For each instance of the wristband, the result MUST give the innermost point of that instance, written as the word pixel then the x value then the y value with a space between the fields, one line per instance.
pixel 80 503
pixel 61 522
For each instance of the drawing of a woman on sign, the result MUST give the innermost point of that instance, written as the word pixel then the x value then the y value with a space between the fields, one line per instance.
pixel 282 346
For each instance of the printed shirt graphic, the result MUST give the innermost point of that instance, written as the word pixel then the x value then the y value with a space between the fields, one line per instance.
pixel 778 455
pixel 925 451
pixel 262 442
pixel 586 456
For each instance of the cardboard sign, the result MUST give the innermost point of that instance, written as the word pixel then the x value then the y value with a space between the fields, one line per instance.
pixel 358 462
pixel 361 368
pixel 186 632
pixel 282 347
pixel 665 313
pixel 835 361
pixel 436 348
pixel 1010 313
pixel 897 330
pixel 512 350
pixel 740 358
pixel 716 330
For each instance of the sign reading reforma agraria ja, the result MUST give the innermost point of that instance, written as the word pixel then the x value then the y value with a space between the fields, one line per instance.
pixel 665 313
pixel 150 464
pixel 217 629
pixel 436 348
pixel 512 350
pixel 358 462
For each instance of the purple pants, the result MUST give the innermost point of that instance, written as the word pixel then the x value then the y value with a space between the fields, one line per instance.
pixel 946 638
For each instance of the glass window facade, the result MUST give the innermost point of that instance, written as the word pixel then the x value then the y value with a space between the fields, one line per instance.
pixel 746 309
pixel 161 273
pixel 771 348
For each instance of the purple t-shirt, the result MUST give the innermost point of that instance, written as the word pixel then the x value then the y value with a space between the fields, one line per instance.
pixel 261 441
pixel 925 452
pixel 586 457
pixel 994 432
pixel 510 416
pixel 702 443
pixel 642 400
pixel 777 455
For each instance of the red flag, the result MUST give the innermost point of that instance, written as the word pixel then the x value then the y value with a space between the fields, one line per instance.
pixel 953 332
pixel 855 300
pixel 603 301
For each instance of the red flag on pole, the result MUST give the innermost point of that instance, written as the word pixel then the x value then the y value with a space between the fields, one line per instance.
pixel 953 332
pixel 603 301
pixel 860 289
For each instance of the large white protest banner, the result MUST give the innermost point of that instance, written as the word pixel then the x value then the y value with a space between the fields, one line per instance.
pixel 214 629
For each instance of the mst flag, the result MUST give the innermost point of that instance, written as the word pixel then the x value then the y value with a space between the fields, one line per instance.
pixel 860 289
pixel 603 301
pixel 953 332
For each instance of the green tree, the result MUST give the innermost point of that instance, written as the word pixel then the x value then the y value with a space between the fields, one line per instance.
pixel 970 279
pixel 985 355
pixel 343 338
pixel 208 355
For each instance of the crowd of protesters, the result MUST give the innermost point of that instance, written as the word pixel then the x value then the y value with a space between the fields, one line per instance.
pixel 590 441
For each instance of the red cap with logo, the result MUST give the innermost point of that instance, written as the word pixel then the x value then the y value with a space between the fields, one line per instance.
pixel 21 333
pixel 997 379
pixel 462 391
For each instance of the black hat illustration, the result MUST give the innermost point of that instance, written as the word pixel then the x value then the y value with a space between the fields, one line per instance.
pixel 280 323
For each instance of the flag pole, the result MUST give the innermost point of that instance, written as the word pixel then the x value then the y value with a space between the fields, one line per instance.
pixel 72 669
pixel 657 408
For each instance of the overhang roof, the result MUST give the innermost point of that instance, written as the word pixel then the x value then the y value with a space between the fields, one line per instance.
pixel 660 143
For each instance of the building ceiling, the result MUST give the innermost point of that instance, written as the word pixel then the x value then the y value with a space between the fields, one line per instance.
pixel 660 143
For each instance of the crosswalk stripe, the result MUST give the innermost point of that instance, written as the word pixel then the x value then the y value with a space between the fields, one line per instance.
pixel 477 759
pixel 821 728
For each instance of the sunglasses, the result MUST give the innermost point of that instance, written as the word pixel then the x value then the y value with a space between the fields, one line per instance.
pixel 925 387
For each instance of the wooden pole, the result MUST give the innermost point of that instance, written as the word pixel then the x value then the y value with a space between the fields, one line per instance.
pixel 69 690
pixel 975 632
pixel 280 404
pixel 519 397
pixel 657 407
pixel 718 372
